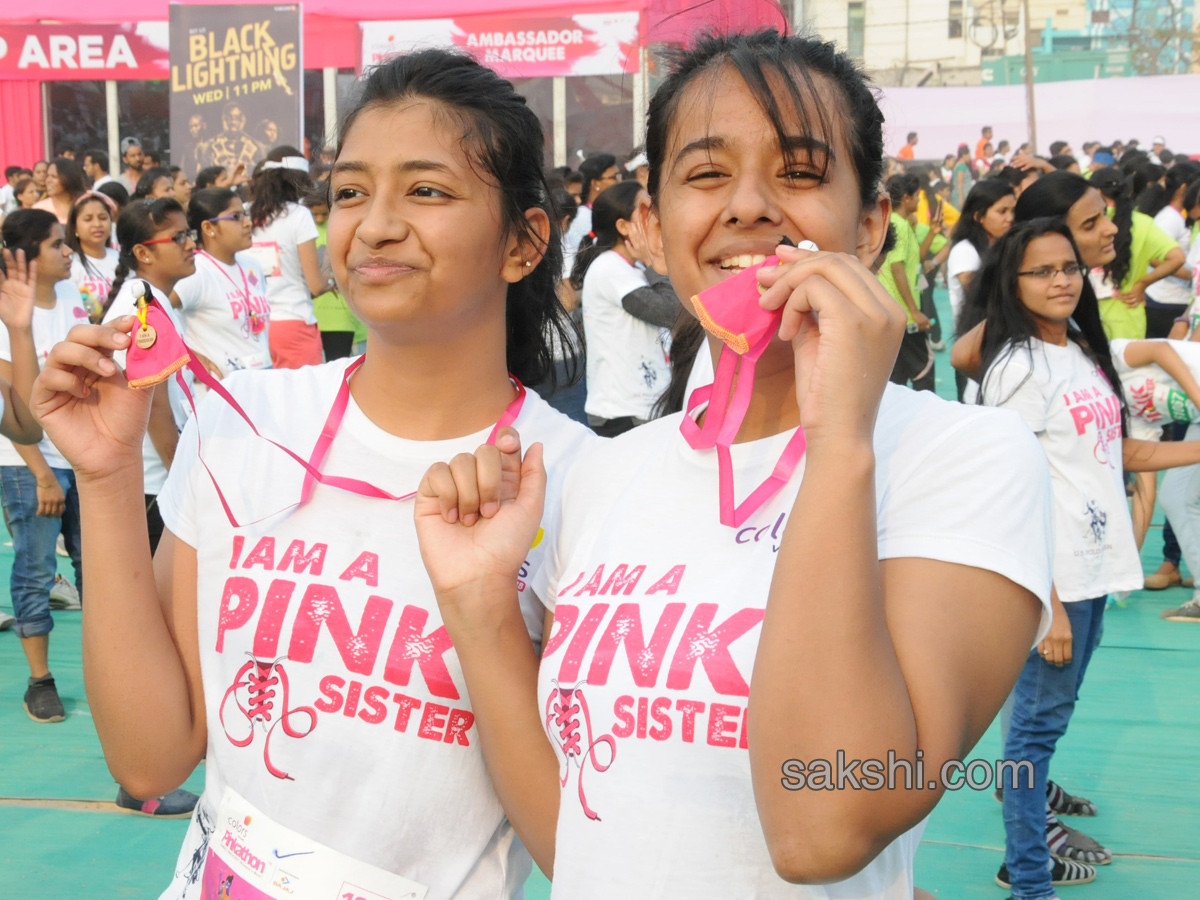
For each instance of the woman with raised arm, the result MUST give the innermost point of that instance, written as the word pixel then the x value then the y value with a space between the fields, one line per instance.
pixel 36 482
pixel 286 629
pixel 874 598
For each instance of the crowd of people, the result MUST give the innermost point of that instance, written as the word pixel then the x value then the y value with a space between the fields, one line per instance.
pixel 596 383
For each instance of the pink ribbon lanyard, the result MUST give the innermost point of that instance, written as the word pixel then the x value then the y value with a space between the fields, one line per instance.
pixel 251 315
pixel 312 465
pixel 721 423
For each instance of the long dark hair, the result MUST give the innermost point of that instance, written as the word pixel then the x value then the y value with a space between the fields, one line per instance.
pixel 763 59
pixel 70 176
pixel 207 204
pixel 73 218
pixel 611 205
pixel 505 139
pixel 995 292
pixel 139 221
pixel 271 190
pixel 25 229
pixel 1155 198
pixel 982 197
pixel 1122 190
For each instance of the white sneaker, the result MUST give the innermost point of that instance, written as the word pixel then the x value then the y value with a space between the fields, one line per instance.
pixel 60 547
pixel 6 621
pixel 63 595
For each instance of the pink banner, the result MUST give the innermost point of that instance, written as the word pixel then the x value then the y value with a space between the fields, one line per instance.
pixel 518 47
pixel 74 52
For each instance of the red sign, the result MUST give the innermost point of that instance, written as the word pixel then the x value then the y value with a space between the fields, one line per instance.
pixel 82 52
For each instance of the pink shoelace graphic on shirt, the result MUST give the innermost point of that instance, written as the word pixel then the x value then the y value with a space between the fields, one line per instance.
pixel 257 681
pixel 570 724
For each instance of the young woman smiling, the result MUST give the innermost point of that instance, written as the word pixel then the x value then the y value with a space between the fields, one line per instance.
pixel 896 626
pixel 442 241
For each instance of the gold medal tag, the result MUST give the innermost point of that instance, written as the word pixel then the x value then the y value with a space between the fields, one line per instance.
pixel 145 337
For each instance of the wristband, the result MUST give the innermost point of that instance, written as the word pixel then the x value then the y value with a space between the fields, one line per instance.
pixel 1184 319
pixel 50 485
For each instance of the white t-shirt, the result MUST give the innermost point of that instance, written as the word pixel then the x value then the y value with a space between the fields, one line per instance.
pixel 657 622
pixel 580 226
pixel 94 278
pixel 1067 402
pixel 49 327
pixel 275 247
pixel 153 468
pixel 1173 290
pixel 1153 397
pixel 628 363
pixel 8 202
pixel 392 773
pixel 963 258
pixel 216 306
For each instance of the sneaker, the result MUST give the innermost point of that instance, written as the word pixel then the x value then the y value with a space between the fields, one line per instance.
pixel 175 805
pixel 60 547
pixel 1062 872
pixel 1189 612
pixel 41 701
pixel 63 595
pixel 6 621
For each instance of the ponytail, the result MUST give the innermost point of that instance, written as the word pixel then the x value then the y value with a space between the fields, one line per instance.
pixel 613 204
pixel 122 272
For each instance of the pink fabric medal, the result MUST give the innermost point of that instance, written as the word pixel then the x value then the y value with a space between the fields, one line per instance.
pixel 730 311
pixel 148 363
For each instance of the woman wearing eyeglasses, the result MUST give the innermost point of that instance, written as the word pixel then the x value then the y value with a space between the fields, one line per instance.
pixel 1045 356
pixel 157 248
pixel 224 305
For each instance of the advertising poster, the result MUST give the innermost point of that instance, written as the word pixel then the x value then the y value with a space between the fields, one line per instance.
pixel 236 84
pixel 518 46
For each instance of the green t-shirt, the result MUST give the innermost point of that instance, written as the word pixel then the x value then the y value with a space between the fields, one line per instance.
pixel 936 245
pixel 330 308
pixel 1150 243
pixel 908 252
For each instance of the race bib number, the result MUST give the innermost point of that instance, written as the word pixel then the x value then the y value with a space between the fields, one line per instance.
pixel 268 256
pixel 251 857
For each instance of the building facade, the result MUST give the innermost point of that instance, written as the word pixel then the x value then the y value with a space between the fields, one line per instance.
pixel 942 42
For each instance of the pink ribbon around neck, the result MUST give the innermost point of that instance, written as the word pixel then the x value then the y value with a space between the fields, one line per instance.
pixel 312 465
pixel 730 311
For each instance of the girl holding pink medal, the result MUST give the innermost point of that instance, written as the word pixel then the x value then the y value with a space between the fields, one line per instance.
pixel 224 305
pixel 286 629
pixel 806 565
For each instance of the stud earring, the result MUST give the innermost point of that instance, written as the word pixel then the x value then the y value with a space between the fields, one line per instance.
pixel 528 263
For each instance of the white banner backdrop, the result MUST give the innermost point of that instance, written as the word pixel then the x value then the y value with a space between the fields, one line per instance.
pixel 1104 109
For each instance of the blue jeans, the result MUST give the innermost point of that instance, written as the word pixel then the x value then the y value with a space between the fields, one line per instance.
pixel 34 537
pixel 1043 702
